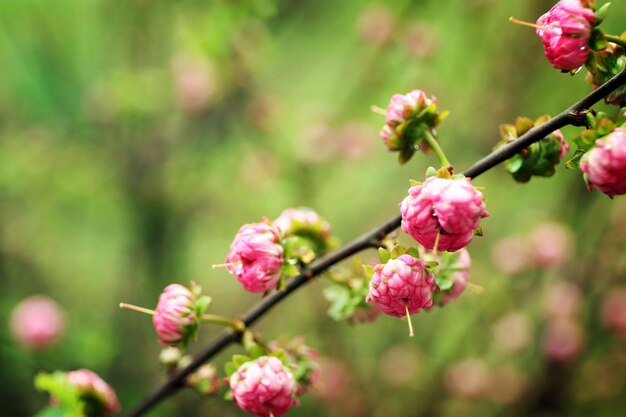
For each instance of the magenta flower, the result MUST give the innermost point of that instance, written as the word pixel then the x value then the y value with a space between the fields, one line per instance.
pixel 459 270
pixel 37 322
pixel 99 398
pixel 264 387
pixel 449 208
pixel 605 165
pixel 401 284
pixel 175 314
pixel 256 257
pixel 565 30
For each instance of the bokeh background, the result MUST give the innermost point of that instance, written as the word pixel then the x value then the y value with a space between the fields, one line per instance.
pixel 136 137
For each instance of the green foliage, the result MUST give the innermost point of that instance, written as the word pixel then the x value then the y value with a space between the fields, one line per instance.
pixel 65 394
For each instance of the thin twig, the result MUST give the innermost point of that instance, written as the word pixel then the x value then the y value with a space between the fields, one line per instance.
pixel 571 116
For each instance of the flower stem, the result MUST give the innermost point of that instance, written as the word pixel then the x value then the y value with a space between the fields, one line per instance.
pixel 438 150
pixel 137 308
pixel 616 39
pixel 521 22
pixel 236 325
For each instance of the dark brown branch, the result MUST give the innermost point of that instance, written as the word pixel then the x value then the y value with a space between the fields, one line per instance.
pixel 571 116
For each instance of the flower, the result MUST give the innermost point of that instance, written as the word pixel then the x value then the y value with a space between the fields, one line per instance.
pixel 443 212
pixel 410 118
pixel 605 165
pixel 175 314
pixel 99 398
pixel 303 221
pixel 37 322
pixel 256 256
pixel 264 387
pixel 402 284
pixel 565 30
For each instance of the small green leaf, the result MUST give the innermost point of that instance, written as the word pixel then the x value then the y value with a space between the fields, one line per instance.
pixel 202 303
pixel 384 255
pixel 230 368
pixel 239 360
pixel 229 395
pixel 51 412
pixel 414 183
pixel 369 270
pixel 601 13
pixel 414 252
pixel 405 155
pixel 432 264
pixel 290 269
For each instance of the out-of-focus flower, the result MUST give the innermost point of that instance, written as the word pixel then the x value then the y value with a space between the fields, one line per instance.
pixel 195 84
pixel 205 380
pixel 605 165
pixel 334 380
pixel 375 25
pixel 264 387
pixel 511 255
pixel 467 379
pixel 99 398
pixel 420 40
pixel 512 332
pixel 302 221
pixel 551 244
pixel 175 314
pixel 258 169
pixel 37 322
pixel 563 340
pixel 565 30
pixel 401 285
pixel 263 111
pixel 443 211
pixel 256 257
pixel 354 140
pixel 317 144
pixel 613 311
pixel 562 300
pixel 506 385
pixel 399 366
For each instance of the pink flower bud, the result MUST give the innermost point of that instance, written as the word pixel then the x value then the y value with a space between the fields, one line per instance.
pixel 404 106
pixel 450 208
pixel 512 333
pixel 100 399
pixel 37 322
pixel 256 257
pixel 511 255
pixel 400 284
pixel 565 30
pixel 264 387
pixel 175 314
pixel 605 164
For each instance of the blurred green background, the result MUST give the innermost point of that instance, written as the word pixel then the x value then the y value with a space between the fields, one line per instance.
pixel 136 137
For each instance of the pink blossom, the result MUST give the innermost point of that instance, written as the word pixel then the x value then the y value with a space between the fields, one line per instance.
pixel 174 314
pixel 449 208
pixel 565 30
pixel 512 332
pixel 467 379
pixel 91 387
pixel 400 284
pixel 37 322
pixel 563 300
pixel 264 387
pixel 403 106
pixel 256 257
pixel 605 164
pixel 511 255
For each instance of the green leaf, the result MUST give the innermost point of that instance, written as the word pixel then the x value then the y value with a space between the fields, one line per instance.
pixel 601 13
pixel 239 360
pixel 384 255
pixel 414 252
pixel 444 282
pixel 51 412
pixel 396 252
pixel 202 303
pixel 515 163
pixel 290 269
pixel 230 368
pixel 229 395
pixel 430 172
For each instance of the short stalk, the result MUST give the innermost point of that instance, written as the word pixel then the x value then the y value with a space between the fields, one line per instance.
pixel 616 40
pixel 408 317
pixel 137 308
pixel 236 325
pixel 437 149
